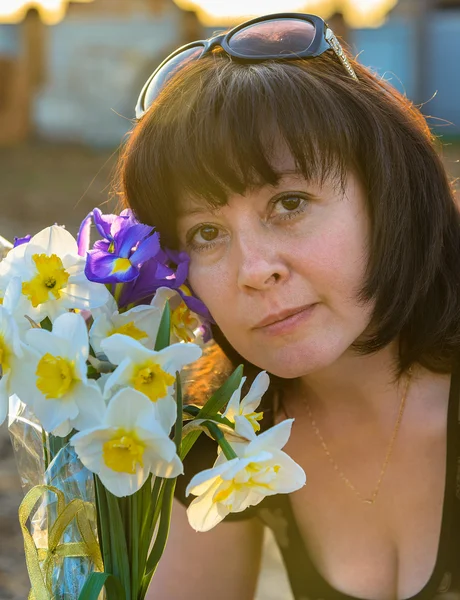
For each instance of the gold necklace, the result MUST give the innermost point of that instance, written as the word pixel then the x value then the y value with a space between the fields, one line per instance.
pixel 373 497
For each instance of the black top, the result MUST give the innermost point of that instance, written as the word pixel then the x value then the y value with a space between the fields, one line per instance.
pixel 277 514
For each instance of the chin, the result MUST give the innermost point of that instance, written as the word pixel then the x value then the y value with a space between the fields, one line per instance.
pixel 291 362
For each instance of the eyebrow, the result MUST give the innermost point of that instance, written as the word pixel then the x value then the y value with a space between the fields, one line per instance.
pixel 282 175
pixel 186 212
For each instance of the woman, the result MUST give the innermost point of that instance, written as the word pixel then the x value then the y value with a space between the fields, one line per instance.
pixel 325 241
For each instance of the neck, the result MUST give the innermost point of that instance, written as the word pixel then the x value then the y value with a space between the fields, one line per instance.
pixel 354 385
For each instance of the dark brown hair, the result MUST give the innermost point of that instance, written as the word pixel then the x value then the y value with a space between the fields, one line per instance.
pixel 213 129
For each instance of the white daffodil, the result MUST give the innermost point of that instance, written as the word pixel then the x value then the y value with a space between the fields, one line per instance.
pixel 53 378
pixel 141 323
pixel 260 469
pixel 128 445
pixel 17 305
pixel 52 275
pixel 10 354
pixel 147 371
pixel 184 322
pixel 247 406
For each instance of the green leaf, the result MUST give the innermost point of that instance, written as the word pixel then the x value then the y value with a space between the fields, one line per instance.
pixel 164 331
pixel 179 403
pixel 118 546
pixel 187 443
pixel 143 513
pixel 92 373
pixel 152 497
pixel 46 324
pixel 134 501
pixel 162 534
pixel 217 401
pixel 220 398
pixel 95 583
pixel 103 523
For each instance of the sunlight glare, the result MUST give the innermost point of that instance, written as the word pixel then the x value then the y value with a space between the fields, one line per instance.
pixel 51 11
pixel 358 13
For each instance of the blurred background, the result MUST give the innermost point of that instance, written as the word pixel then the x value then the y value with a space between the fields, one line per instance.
pixel 70 74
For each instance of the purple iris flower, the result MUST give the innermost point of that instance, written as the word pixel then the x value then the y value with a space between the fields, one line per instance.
pixel 84 233
pixel 19 241
pixel 157 272
pixel 126 246
pixel 169 268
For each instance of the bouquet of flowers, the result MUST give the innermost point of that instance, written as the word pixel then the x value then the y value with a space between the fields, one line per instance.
pixel 92 344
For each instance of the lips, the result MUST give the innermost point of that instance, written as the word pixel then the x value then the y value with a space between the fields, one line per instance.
pixel 281 316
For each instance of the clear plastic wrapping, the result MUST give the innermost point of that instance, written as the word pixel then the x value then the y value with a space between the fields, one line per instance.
pixel 65 473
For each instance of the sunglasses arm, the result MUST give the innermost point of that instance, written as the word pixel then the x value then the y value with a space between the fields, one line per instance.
pixel 335 45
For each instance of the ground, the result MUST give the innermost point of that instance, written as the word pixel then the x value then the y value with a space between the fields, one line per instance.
pixel 43 184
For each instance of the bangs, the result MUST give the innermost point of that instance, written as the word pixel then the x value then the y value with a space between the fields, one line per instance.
pixel 224 132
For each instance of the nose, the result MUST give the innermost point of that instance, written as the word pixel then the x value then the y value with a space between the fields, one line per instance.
pixel 260 261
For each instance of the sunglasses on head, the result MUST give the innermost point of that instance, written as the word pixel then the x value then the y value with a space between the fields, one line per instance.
pixel 281 36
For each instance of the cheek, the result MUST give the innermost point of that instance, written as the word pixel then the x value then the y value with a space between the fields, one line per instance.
pixel 334 261
pixel 212 285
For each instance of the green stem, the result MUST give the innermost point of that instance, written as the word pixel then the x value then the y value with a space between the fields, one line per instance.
pixel 134 543
pixel 117 293
pixel 162 535
pixel 165 501
pixel 179 403
pixel 46 455
pixel 220 439
pixel 157 506
pixel 103 524
pixel 149 504
pixel 118 546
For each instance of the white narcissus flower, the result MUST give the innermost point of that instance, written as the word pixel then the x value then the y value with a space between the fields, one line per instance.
pixel 52 275
pixel 53 377
pixel 247 406
pixel 10 354
pixel 128 445
pixel 184 322
pixel 17 305
pixel 147 371
pixel 141 323
pixel 260 469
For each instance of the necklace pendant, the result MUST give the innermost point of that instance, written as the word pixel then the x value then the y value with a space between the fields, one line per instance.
pixel 368 501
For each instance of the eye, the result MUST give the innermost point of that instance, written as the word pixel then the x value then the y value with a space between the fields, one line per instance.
pixel 289 205
pixel 203 237
pixel 208 232
pixel 290 202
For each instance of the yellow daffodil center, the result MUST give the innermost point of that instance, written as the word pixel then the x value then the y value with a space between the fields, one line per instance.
pixel 182 321
pixel 131 330
pixel 4 354
pixel 228 489
pixel 55 376
pixel 151 380
pixel 51 277
pixel 253 418
pixel 121 265
pixel 124 452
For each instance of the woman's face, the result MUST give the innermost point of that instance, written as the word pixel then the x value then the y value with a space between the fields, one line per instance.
pixel 280 268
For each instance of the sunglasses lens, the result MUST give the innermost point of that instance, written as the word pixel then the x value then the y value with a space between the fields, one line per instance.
pixel 170 68
pixel 277 37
